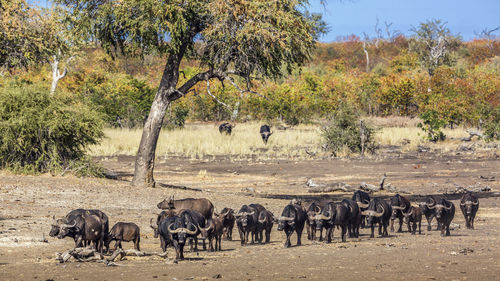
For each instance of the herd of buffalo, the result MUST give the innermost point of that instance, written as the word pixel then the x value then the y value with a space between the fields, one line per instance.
pixel 187 219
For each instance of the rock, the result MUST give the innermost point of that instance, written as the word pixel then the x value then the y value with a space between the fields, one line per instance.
pixel 217 276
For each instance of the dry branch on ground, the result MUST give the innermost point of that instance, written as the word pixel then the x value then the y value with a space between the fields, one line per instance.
pixel 89 254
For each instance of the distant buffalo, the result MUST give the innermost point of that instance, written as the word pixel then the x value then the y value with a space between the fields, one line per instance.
pixel 226 128
pixel 265 133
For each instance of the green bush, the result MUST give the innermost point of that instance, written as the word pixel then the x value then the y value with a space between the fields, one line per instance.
pixel 492 125
pixel 432 125
pixel 40 133
pixel 343 130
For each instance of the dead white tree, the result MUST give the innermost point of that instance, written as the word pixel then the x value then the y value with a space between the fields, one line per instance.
pixel 489 36
pixel 56 73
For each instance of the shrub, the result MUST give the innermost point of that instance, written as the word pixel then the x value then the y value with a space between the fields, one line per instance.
pixel 40 133
pixel 432 124
pixel 492 125
pixel 343 130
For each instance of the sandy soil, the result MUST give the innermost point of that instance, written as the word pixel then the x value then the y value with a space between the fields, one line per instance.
pixel 27 204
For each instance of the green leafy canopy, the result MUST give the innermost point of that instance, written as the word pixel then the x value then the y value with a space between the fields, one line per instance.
pixel 254 37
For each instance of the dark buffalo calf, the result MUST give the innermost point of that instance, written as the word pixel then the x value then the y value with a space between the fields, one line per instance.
pixel 228 220
pixel 469 204
pixel 124 231
pixel 214 230
pixel 413 216
pixel 266 219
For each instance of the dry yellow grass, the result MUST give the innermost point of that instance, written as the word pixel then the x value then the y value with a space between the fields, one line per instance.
pixel 198 140
pixel 204 140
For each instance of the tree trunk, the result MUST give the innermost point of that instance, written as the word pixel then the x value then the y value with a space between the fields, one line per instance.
pixel 145 160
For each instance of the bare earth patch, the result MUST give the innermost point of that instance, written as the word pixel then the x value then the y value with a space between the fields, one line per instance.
pixel 27 204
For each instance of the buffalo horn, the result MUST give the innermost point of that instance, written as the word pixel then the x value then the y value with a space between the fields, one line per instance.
pixel 285 218
pixel 408 214
pixel 192 232
pixel 362 205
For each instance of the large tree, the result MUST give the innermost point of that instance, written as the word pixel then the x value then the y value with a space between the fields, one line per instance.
pixel 234 41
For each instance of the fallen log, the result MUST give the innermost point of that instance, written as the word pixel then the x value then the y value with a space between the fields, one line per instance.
pixel 327 187
pixel 88 254
pixel 471 135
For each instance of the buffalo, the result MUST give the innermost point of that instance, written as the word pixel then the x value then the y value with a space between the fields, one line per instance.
pixel 444 211
pixel 354 218
pixel 173 231
pixel 193 217
pixel 84 228
pixel 265 133
pixel 214 230
pixel 226 128
pixel 228 220
pixel 124 231
pixel 429 213
pixel 292 219
pixel 247 222
pixel 362 199
pixel 312 209
pixel 334 214
pixel 413 216
pixel 399 205
pixel 200 205
pixel 69 219
pixel 378 211
pixel 469 204
pixel 266 220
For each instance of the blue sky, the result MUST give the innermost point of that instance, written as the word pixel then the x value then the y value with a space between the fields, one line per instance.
pixel 346 17
pixel 358 16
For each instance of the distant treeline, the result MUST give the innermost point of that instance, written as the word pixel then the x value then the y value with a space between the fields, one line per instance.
pixel 465 89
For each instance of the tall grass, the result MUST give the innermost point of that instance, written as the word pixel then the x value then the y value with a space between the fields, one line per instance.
pixel 200 140
pixel 204 140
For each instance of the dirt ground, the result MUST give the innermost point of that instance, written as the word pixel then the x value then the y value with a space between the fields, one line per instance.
pixel 27 204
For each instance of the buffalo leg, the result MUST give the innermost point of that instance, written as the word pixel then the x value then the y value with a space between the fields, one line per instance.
pixel 116 245
pixel 429 221
pixel 210 242
pixel 299 236
pixel 329 234
pixel 380 229
pixel 343 233
pixel 242 237
pixel 287 242
pixel 373 230
pixel 472 217
pixel 392 225
pixel 163 245
pixel 309 230
pixel 136 243
pixel 414 227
